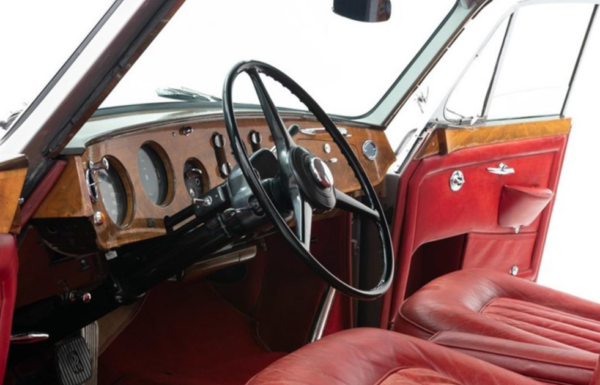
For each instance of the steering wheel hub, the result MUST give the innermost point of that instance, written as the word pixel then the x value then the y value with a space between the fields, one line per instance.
pixel 313 177
pixel 321 173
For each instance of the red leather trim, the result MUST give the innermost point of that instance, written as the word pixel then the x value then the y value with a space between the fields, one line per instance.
pixel 485 302
pixel 520 206
pixel 435 212
pixel 9 264
pixel 491 251
pixel 40 192
pixel 366 356
pixel 387 313
pixel 506 320
pixel 540 362
pixel 413 376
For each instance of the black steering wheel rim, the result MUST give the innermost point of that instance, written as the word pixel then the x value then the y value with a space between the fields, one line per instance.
pixel 285 146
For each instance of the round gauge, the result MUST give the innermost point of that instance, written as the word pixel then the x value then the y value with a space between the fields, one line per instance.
pixel 153 174
pixel 370 149
pixel 194 176
pixel 114 196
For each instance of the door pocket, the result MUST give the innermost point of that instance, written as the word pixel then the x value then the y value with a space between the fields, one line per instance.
pixel 500 252
pixel 520 206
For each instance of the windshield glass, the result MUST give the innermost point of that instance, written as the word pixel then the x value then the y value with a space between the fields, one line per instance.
pixel 347 66
pixel 35 46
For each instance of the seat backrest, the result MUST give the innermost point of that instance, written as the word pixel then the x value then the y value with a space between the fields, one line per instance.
pixel 8 289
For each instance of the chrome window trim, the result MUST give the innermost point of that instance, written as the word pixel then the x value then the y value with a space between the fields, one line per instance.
pixel 454 65
pixel 512 15
pixel 581 55
pixel 432 51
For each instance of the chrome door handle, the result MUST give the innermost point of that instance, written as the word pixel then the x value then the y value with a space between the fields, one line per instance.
pixel 502 169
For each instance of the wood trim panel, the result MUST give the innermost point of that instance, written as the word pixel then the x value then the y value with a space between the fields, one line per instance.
pixel 69 197
pixel 147 218
pixel 450 139
pixel 12 175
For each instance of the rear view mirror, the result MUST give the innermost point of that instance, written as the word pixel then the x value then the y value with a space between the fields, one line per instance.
pixel 370 11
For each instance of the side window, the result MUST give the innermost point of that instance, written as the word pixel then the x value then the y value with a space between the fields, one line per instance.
pixel 533 55
pixel 466 102
pixel 540 57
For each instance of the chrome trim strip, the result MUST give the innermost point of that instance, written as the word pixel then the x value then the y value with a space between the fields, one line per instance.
pixel 317 131
pixel 499 61
pixel 322 315
pixel 581 53
pixel 28 338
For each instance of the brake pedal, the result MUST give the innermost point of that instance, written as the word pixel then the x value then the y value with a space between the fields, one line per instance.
pixel 73 361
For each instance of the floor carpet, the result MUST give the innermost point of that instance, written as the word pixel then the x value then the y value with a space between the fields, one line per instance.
pixel 185 334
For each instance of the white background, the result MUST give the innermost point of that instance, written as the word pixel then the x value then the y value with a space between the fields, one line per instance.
pixel 33 45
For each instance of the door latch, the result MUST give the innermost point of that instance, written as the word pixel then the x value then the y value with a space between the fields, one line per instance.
pixel 502 169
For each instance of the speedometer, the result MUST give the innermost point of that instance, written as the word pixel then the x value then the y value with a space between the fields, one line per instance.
pixel 153 174
pixel 114 196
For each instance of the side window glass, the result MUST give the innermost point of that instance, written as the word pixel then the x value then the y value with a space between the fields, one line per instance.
pixel 541 53
pixel 466 102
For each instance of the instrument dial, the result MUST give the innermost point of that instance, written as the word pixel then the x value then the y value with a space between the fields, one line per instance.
pixel 114 196
pixel 153 174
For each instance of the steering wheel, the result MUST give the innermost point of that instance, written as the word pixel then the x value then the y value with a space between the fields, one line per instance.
pixel 304 181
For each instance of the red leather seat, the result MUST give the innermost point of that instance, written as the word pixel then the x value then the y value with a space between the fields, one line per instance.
pixel 374 356
pixel 508 321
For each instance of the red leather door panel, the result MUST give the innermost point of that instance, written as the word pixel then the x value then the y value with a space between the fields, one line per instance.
pixel 8 290
pixel 428 210
pixel 12 175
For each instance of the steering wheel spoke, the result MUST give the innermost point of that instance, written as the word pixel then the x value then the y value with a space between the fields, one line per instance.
pixel 347 203
pixel 283 140
pixel 303 215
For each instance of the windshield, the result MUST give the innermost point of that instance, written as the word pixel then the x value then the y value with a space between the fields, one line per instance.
pixel 30 58
pixel 347 66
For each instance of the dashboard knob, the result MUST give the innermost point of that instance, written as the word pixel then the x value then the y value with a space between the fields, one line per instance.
pixel 102 165
pixel 218 140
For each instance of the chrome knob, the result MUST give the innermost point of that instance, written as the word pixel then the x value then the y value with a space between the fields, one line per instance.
pixel 102 165
pixel 457 180
pixel 203 201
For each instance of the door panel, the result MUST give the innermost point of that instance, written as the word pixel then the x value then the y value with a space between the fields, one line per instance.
pixel 429 214
pixel 12 175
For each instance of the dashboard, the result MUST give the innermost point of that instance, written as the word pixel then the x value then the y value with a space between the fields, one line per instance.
pixel 127 181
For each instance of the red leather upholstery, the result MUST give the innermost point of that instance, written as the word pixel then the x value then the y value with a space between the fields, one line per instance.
pixel 427 210
pixel 9 263
pixel 553 365
pixel 520 206
pixel 505 308
pixel 374 356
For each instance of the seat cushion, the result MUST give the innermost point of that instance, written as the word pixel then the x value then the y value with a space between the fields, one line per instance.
pixel 494 306
pixel 374 356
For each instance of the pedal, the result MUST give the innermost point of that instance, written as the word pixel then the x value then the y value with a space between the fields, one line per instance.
pixel 91 336
pixel 73 362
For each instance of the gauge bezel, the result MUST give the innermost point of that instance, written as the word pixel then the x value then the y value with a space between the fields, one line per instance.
pixel 169 172
pixel 205 179
pixel 365 150
pixel 123 176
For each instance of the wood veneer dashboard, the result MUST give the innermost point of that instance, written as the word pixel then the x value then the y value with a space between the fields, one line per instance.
pixel 179 142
